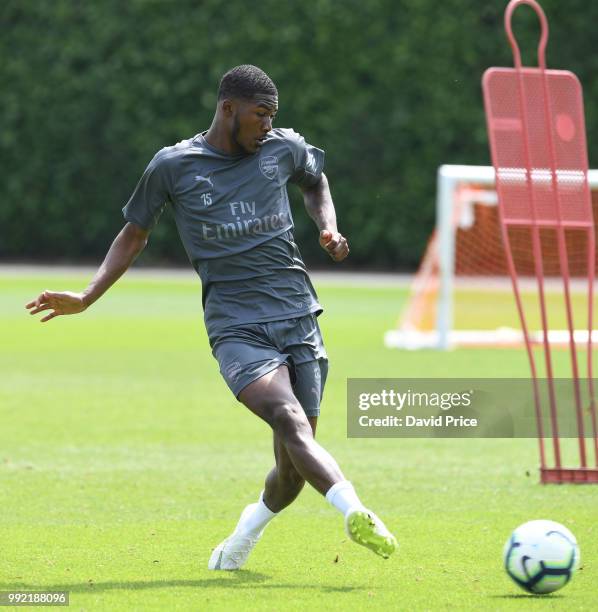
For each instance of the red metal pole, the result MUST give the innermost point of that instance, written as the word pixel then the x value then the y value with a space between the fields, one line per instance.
pixel 536 246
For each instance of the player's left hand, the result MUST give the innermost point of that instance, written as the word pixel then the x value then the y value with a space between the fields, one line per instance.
pixel 335 244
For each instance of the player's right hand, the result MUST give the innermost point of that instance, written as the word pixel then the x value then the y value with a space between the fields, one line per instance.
pixel 60 302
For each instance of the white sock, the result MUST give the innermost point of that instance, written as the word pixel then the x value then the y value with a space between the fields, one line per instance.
pixel 255 521
pixel 342 496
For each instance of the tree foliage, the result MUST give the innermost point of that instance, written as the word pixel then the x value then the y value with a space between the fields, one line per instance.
pixel 389 88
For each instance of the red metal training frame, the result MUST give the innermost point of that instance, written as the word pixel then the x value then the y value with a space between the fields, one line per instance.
pixel 536 128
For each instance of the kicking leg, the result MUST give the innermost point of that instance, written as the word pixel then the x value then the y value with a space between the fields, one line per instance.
pixel 272 399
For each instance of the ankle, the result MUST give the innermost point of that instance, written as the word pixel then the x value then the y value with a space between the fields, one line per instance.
pixel 254 522
pixel 342 496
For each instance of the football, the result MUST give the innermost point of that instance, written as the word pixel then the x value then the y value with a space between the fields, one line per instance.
pixel 541 556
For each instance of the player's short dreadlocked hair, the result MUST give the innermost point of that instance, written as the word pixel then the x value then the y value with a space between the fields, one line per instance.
pixel 245 82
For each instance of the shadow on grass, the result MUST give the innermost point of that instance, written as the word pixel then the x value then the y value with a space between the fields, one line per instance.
pixel 528 596
pixel 241 579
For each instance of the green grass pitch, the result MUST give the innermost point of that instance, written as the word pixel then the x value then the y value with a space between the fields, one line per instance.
pixel 124 459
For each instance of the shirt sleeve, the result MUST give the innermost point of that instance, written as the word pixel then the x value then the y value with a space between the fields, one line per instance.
pixel 308 161
pixel 151 194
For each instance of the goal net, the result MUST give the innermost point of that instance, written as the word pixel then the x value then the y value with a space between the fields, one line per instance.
pixel 462 292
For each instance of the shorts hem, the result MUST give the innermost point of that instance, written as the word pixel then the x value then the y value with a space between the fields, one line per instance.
pixel 245 383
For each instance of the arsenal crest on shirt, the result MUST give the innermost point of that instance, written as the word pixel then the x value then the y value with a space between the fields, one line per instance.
pixel 269 166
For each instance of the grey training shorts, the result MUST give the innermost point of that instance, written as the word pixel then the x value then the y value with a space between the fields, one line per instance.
pixel 248 352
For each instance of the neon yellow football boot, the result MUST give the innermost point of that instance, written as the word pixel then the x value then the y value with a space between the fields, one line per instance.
pixel 365 528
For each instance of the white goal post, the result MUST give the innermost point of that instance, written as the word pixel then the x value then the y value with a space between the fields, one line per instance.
pixel 438 266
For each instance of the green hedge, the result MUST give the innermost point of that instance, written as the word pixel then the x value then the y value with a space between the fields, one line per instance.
pixel 390 88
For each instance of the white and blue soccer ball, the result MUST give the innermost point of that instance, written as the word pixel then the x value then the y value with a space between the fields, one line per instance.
pixel 541 556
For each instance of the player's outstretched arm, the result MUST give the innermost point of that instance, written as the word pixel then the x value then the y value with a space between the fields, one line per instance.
pixel 124 250
pixel 319 206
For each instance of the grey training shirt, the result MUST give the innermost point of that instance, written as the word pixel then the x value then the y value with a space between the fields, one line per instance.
pixel 233 216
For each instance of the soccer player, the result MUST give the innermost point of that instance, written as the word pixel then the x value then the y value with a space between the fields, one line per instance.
pixel 227 188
